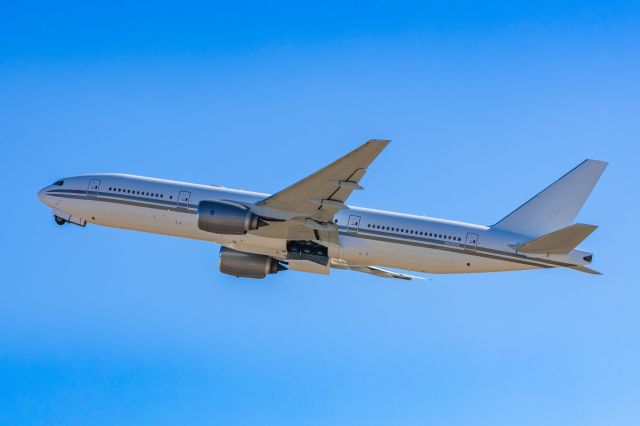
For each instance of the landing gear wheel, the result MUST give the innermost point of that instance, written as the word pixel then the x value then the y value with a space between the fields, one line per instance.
pixel 59 220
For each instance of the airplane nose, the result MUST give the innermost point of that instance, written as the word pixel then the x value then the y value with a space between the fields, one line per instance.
pixel 41 195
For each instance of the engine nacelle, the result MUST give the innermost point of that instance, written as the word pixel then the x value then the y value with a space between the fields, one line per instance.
pixel 248 265
pixel 224 217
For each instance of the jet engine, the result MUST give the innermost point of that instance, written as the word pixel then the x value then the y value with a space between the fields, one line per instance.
pixel 224 217
pixel 248 265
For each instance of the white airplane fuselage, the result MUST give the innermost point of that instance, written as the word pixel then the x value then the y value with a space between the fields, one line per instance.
pixel 366 236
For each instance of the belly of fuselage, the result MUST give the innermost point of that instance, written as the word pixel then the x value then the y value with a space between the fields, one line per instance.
pixel 432 260
pixel 355 249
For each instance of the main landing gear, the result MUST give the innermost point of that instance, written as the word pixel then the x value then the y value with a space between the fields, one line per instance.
pixel 59 220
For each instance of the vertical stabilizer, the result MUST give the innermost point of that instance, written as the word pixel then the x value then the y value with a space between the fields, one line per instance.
pixel 558 205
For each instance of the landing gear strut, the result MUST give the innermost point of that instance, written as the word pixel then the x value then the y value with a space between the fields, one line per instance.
pixel 59 220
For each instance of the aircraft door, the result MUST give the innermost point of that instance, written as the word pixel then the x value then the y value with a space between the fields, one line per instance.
pixel 472 241
pixel 354 223
pixel 183 199
pixel 94 187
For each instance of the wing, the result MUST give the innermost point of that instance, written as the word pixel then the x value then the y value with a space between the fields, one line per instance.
pixel 584 269
pixel 320 195
pixel 312 202
pixel 374 270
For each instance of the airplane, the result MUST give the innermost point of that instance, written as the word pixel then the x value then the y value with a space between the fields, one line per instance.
pixel 308 227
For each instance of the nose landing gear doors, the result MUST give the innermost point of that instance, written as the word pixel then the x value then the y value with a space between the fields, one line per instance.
pixel 94 187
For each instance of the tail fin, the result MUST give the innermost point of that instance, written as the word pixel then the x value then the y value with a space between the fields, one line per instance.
pixel 558 205
pixel 561 241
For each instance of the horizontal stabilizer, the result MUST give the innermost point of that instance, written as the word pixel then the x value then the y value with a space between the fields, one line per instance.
pixel 561 241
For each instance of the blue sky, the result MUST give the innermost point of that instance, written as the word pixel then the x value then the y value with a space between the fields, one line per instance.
pixel 486 104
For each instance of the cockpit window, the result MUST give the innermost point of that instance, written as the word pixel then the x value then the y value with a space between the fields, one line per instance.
pixel 58 183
